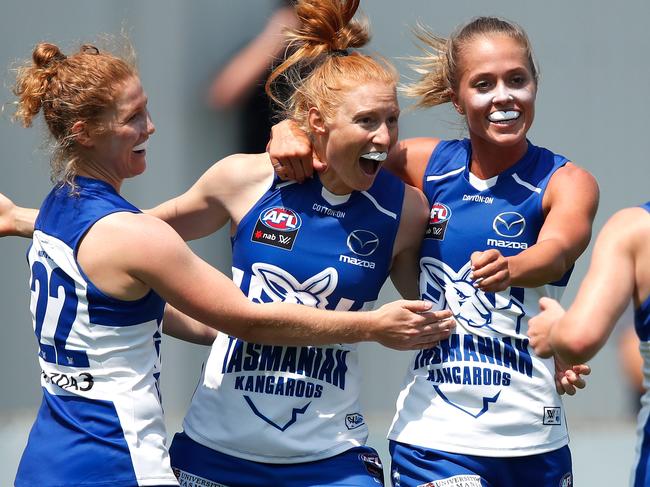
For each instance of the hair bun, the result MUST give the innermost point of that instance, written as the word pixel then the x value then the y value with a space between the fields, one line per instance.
pixel 46 54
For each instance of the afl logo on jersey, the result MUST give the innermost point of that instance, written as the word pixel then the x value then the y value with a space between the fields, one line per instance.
pixel 438 220
pixel 509 224
pixel 277 226
pixel 282 219
pixel 362 242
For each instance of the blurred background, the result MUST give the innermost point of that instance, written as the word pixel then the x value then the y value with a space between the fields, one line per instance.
pixel 593 106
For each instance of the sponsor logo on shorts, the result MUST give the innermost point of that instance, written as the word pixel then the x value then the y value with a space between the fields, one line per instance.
pixel 277 226
pixel 373 465
pixel 455 481
pixel 438 220
pixel 552 416
pixel 566 480
pixel 186 479
pixel 354 420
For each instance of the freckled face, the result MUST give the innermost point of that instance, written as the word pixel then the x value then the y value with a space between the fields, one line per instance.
pixel 496 91
pixel 121 149
pixel 363 129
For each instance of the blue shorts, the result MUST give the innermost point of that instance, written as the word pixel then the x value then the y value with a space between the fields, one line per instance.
pixel 412 466
pixel 195 464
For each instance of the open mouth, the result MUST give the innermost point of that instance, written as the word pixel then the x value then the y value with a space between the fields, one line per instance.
pixel 504 116
pixel 370 162
pixel 140 148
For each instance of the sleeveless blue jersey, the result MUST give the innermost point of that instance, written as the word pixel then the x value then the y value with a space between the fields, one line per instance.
pixel 642 313
pixel 300 244
pixel 482 391
pixel 100 422
pixel 641 475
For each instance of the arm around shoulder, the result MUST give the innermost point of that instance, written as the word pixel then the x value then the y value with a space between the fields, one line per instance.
pixel 224 192
pixel 409 158
pixel 162 261
pixel 186 328
pixel 15 220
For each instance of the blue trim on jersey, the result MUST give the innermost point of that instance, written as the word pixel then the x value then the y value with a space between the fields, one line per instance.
pixel 77 440
pixel 68 217
pixel 320 236
pixel 520 188
pixel 642 313
pixel 86 436
pixel 359 466
pixel 129 313
pixel 642 320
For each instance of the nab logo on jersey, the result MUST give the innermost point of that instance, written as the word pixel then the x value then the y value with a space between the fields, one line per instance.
pixel 278 227
pixel 438 220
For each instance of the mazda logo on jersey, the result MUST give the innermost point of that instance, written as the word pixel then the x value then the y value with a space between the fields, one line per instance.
pixel 509 224
pixel 362 242
pixel 277 226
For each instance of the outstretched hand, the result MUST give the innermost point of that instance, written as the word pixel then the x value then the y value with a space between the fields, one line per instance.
pixel 291 152
pixel 411 325
pixel 7 219
pixel 568 379
pixel 15 220
pixel 539 326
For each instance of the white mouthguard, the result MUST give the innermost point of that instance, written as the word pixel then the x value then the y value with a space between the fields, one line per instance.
pixel 140 147
pixel 375 156
pixel 503 116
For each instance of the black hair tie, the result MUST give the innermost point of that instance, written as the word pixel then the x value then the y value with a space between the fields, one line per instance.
pixel 340 52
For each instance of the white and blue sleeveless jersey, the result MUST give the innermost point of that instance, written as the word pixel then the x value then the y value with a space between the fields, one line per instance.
pixel 641 474
pixel 482 391
pixel 300 244
pixel 100 422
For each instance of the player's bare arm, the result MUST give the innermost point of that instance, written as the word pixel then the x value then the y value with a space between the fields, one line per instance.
pixel 570 203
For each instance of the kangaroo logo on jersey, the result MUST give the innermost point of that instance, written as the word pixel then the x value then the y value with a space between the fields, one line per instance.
pixel 470 357
pixel 438 220
pixel 470 306
pixel 280 285
pixel 277 226
pixel 509 224
pixel 362 242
